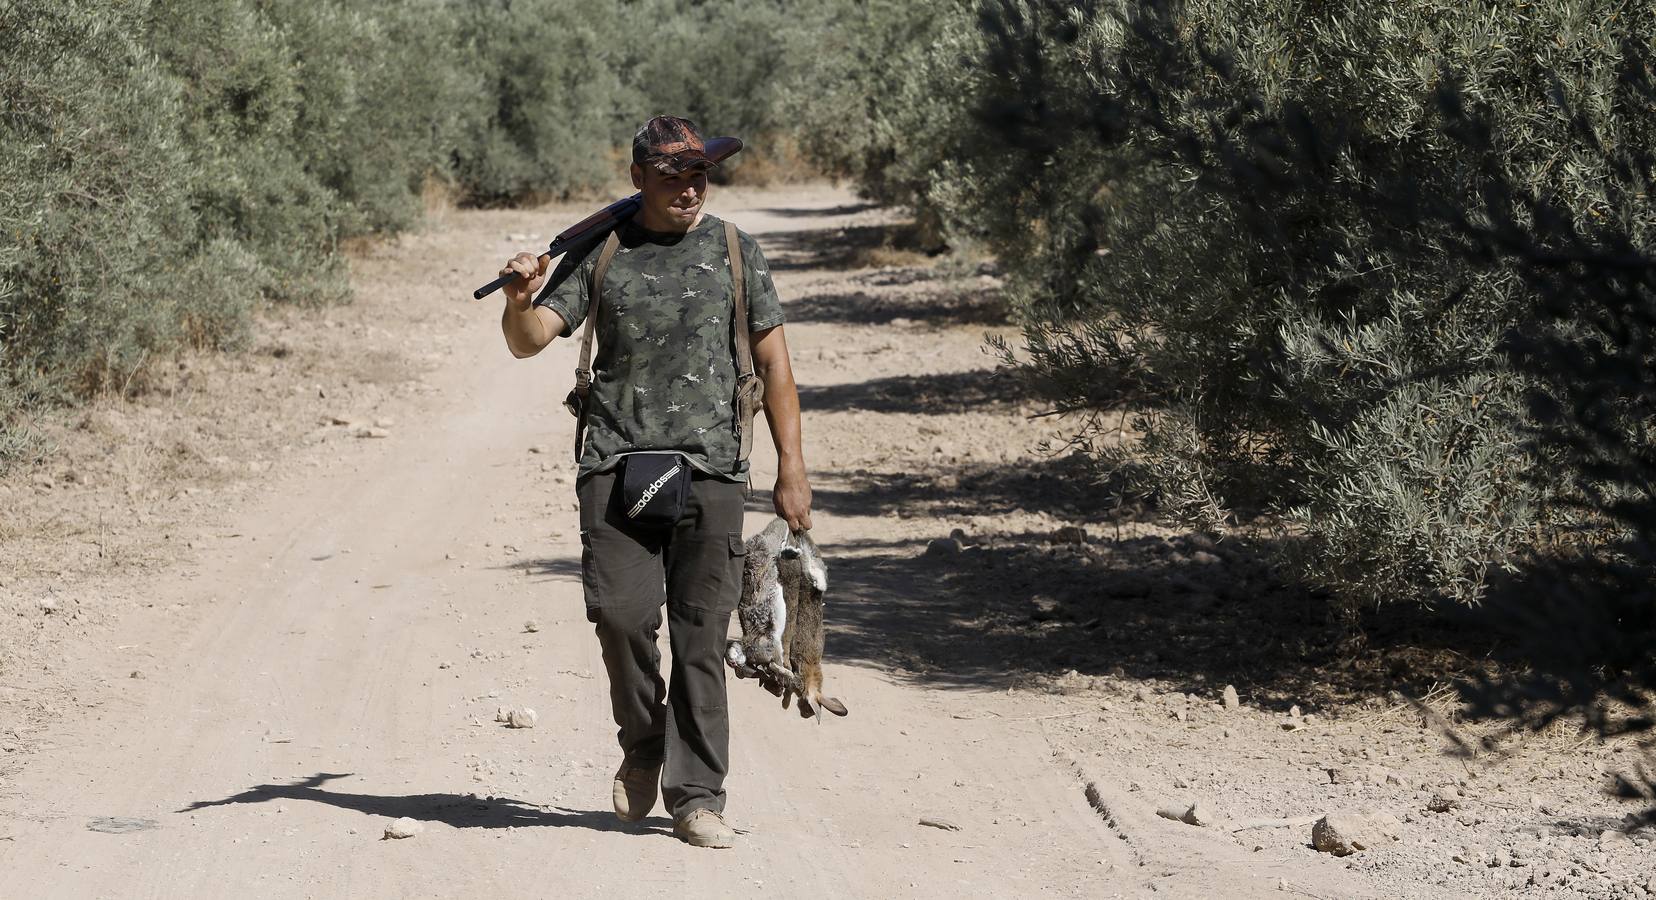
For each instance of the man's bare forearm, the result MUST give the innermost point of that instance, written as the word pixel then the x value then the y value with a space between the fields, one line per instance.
pixel 527 331
pixel 770 360
pixel 782 414
pixel 792 496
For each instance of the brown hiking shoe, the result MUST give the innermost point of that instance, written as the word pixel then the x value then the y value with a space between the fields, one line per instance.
pixel 704 828
pixel 635 790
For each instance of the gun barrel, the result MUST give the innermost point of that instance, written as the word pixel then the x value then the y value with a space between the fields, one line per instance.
pixel 583 231
pixel 493 286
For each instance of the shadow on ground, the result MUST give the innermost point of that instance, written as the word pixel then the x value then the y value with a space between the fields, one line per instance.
pixel 943 304
pixel 852 247
pixel 994 610
pixel 848 209
pixel 1063 486
pixel 948 392
pixel 997 609
pixel 555 568
pixel 1101 597
pixel 454 810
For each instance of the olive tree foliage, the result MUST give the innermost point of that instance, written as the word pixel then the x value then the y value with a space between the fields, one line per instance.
pixel 555 98
pixel 1260 236
pixel 883 98
pixel 169 165
pixel 1586 613
pixel 722 63
pixel 389 93
pixel 97 234
pixel 242 101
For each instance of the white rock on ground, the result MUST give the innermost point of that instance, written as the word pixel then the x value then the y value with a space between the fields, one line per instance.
pixel 403 828
pixel 1232 701
pixel 1199 814
pixel 523 717
pixel 1346 832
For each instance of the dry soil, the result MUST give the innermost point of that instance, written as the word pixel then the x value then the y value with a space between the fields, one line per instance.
pixel 253 617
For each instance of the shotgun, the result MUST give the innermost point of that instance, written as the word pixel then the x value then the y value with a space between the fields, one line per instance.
pixel 598 224
pixel 595 227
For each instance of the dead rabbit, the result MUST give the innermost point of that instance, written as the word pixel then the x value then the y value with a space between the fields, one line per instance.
pixel 780 610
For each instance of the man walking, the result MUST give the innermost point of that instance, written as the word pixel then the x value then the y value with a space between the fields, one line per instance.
pixel 664 377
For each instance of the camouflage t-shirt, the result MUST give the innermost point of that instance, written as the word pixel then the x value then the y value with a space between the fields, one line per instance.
pixel 663 361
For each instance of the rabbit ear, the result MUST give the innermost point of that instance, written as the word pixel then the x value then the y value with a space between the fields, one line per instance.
pixel 833 705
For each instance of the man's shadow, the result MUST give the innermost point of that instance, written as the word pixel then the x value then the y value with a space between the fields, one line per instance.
pixel 455 810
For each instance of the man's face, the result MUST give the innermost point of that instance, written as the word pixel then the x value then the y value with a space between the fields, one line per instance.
pixel 673 201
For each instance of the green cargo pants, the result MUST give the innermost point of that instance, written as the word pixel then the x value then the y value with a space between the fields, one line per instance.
pixel 695 567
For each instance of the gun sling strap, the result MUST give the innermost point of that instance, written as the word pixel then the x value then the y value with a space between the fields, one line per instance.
pixel 749 390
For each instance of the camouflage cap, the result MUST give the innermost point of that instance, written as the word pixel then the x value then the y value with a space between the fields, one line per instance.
pixel 671 145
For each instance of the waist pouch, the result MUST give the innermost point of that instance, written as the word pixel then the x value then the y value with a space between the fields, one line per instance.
pixel 655 487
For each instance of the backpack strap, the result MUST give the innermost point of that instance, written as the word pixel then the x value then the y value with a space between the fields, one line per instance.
pixel 583 369
pixel 750 389
pixel 744 348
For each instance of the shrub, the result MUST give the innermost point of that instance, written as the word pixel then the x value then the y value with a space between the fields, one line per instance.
pixel 884 98
pixel 1585 613
pixel 725 64
pixel 94 209
pixel 553 98
pixel 170 165
pixel 387 93
pixel 1262 227
pixel 242 98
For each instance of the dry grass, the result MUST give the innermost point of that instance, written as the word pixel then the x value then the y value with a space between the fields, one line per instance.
pixel 1441 710
pixel 767 161
pixel 887 256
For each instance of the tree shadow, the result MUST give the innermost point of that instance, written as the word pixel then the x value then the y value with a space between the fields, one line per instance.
pixel 851 247
pixel 946 392
pixel 945 305
pixel 454 810
pixel 1100 597
pixel 1065 486
pixel 847 209
pixel 993 611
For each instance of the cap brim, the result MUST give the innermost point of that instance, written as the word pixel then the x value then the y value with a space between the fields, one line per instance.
pixel 716 150
pixel 720 149
pixel 681 162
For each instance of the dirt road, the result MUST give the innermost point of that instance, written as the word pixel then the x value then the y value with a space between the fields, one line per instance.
pixel 338 662
pixel 323 644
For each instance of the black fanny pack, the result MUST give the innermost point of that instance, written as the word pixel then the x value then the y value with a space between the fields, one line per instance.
pixel 654 487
